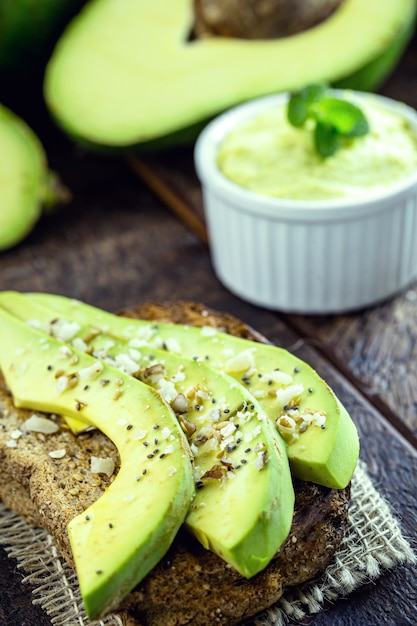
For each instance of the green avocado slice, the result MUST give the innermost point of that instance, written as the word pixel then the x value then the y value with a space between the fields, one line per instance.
pixel 121 537
pixel 322 440
pixel 126 73
pixel 240 460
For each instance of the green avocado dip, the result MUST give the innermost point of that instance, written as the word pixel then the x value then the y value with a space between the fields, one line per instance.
pixel 270 156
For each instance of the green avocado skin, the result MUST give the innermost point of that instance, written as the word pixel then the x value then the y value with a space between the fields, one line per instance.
pixel 24 185
pixel 326 456
pixel 29 29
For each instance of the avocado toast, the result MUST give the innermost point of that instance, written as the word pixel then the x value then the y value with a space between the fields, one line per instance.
pixel 191 583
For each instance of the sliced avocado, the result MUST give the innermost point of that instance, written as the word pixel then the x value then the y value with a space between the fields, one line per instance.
pixel 240 460
pixel 322 440
pixel 128 73
pixel 120 537
pixel 26 185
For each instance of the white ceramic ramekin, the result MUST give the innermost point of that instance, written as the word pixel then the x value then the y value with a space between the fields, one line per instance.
pixel 310 257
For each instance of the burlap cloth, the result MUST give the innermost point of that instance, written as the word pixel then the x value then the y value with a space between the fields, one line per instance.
pixel 373 543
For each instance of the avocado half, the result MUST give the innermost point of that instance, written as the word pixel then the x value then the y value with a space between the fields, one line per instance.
pixel 127 73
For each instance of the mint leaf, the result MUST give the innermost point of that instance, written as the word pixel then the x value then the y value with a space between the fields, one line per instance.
pixel 297 111
pixel 301 102
pixel 334 118
pixel 313 93
pixel 345 116
pixel 326 139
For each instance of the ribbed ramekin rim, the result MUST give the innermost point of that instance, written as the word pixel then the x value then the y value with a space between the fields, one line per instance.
pixel 211 177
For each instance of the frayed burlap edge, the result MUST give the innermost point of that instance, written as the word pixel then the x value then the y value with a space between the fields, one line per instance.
pixel 372 544
pixel 54 583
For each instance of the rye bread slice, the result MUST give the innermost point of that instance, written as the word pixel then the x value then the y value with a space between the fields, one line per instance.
pixel 190 585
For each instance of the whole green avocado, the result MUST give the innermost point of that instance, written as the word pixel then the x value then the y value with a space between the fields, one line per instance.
pixel 27 186
pixel 29 30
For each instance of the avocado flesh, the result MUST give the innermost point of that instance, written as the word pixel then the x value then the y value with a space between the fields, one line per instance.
pixel 125 73
pixel 110 560
pixel 240 460
pixel 326 456
pixel 23 172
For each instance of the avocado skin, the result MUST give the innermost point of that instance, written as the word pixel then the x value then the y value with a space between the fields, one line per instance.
pixel 29 30
pixel 28 179
pixel 327 457
pixel 372 76
pixel 139 540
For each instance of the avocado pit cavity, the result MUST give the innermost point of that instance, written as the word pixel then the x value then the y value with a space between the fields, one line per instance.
pixel 259 19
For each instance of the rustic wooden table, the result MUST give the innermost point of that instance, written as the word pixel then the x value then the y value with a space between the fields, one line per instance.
pixel 120 241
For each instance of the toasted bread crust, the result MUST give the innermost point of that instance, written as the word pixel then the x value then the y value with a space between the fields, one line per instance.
pixel 190 585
